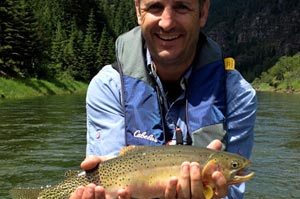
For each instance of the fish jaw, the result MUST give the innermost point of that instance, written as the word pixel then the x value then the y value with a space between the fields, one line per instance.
pixel 238 178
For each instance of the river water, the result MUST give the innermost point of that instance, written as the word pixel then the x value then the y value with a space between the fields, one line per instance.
pixel 42 138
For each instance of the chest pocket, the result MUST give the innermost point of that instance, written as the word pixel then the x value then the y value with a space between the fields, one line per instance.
pixel 203 136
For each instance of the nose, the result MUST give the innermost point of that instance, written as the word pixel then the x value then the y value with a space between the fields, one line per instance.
pixel 167 19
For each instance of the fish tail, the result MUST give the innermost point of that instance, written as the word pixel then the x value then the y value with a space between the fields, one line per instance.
pixel 25 193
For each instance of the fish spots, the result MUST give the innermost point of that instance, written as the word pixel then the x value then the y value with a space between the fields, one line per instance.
pixel 145 170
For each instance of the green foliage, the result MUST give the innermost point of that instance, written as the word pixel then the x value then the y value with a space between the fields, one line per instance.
pixel 283 76
pixel 14 89
pixel 57 38
pixel 20 43
pixel 74 38
pixel 105 51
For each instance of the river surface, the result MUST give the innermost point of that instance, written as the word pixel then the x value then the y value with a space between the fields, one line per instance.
pixel 42 138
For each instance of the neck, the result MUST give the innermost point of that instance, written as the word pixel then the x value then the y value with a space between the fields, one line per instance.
pixel 171 74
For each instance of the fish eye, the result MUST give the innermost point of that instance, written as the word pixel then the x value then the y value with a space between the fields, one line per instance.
pixel 235 164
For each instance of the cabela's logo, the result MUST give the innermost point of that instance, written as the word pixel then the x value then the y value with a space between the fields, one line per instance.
pixel 143 135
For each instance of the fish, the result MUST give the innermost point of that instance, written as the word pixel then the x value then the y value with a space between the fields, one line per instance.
pixel 145 171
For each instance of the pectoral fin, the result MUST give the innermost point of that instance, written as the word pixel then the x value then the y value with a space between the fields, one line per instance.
pixel 208 192
pixel 207 171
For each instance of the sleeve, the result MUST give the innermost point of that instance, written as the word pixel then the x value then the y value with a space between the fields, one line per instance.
pixel 105 115
pixel 241 115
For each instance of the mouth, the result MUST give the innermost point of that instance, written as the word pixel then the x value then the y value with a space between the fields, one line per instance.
pixel 241 176
pixel 168 37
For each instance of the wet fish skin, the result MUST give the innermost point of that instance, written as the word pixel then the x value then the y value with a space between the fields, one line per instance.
pixel 145 171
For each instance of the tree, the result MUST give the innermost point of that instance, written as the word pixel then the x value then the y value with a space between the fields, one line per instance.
pixel 7 14
pixel 72 55
pixel 89 49
pixel 105 51
pixel 19 44
pixel 57 47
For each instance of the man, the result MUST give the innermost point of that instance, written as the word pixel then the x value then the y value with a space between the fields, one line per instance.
pixel 169 86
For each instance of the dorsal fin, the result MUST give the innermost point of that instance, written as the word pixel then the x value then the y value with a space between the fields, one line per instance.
pixel 129 149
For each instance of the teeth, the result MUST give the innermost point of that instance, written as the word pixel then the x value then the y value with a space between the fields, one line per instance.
pixel 168 37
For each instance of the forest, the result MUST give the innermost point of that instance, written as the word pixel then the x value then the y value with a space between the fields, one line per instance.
pixel 51 39
pixel 284 76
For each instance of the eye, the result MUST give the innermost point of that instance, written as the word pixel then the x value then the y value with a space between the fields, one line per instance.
pixel 234 164
pixel 155 8
pixel 181 8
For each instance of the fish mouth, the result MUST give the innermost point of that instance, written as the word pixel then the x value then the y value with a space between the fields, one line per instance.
pixel 241 176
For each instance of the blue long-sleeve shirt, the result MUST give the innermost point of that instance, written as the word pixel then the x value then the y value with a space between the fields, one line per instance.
pixel 106 122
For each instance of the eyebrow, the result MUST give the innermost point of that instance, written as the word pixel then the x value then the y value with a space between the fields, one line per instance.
pixel 149 3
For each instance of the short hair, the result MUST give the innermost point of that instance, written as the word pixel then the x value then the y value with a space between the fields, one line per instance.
pixel 201 2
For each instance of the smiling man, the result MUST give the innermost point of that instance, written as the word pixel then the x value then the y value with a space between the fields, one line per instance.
pixel 169 85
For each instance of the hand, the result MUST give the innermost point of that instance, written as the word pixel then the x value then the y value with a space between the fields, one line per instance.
pixel 189 184
pixel 92 191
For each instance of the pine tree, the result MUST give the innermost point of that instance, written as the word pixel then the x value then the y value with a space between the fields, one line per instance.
pixel 89 49
pixel 19 43
pixel 57 47
pixel 72 54
pixel 7 33
pixel 29 44
pixel 105 54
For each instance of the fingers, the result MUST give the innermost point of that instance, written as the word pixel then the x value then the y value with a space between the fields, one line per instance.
pixel 123 194
pixel 91 191
pixel 190 184
pixel 196 181
pixel 171 188
pixel 183 188
pixel 78 193
pixel 221 187
pixel 215 144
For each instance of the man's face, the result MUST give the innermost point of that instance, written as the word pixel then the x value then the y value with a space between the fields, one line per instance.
pixel 171 28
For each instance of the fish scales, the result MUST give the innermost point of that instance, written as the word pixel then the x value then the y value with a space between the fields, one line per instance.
pixel 145 171
pixel 147 166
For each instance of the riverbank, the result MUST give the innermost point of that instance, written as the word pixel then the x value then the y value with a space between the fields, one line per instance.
pixel 19 89
pixel 264 87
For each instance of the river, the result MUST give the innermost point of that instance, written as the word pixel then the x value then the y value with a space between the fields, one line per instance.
pixel 42 138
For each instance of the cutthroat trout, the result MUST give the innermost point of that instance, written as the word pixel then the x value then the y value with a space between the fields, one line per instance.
pixel 145 172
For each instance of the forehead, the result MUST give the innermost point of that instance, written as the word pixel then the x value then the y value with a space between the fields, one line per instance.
pixel 169 1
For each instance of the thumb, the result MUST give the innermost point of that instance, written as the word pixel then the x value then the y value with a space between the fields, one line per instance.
pixel 215 144
pixel 92 161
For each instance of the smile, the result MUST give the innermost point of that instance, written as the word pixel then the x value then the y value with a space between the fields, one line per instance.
pixel 168 37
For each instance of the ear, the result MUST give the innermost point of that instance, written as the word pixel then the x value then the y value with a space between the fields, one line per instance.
pixel 138 11
pixel 204 13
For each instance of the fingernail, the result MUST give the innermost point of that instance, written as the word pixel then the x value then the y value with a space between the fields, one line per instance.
pixel 185 168
pixel 79 191
pixel 90 190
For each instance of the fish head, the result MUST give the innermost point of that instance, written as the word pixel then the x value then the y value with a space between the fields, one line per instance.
pixel 235 170
pixel 232 166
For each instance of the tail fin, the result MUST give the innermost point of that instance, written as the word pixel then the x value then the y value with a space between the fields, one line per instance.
pixel 25 193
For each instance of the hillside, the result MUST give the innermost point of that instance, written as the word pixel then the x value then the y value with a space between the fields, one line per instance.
pixel 284 76
pixel 256 32
pixel 53 38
